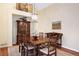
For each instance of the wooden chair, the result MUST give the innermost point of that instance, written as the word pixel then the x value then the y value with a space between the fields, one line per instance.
pixel 20 45
pixel 50 49
pixel 29 49
pixel 25 48
pixel 56 35
pixel 40 36
pixel 21 48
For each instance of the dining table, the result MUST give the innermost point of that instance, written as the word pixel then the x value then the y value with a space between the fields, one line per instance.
pixel 37 43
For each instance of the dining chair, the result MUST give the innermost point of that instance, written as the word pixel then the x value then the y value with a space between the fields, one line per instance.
pixel 20 45
pixel 21 49
pixel 40 35
pixel 50 49
pixel 29 49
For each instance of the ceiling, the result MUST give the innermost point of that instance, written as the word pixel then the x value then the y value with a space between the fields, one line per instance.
pixel 40 6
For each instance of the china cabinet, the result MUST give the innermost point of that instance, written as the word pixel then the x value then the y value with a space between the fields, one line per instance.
pixel 23 30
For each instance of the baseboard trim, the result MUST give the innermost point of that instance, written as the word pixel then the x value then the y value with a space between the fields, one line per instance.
pixel 70 51
pixel 14 44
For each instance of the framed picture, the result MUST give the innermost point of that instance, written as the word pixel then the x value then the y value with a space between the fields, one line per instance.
pixel 56 25
pixel 24 7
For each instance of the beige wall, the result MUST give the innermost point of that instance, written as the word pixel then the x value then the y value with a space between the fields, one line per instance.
pixel 2 26
pixel 5 24
pixel 68 14
pixel 6 11
pixel 45 19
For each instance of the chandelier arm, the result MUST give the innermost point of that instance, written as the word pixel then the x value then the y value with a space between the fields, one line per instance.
pixel 34 15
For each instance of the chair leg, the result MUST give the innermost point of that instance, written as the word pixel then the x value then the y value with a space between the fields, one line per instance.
pixel 19 48
pixel 56 52
pixel 22 51
pixel 27 52
pixel 34 52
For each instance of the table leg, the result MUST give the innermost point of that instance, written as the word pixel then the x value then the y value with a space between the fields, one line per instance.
pixel 36 50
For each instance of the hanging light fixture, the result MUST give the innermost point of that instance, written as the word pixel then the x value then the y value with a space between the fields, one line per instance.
pixel 34 15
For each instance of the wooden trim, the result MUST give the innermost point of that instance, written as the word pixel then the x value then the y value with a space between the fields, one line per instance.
pixel 70 51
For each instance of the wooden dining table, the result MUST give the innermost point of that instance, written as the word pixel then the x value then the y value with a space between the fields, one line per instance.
pixel 37 43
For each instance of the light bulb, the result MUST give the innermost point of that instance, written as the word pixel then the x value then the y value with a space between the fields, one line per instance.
pixel 34 17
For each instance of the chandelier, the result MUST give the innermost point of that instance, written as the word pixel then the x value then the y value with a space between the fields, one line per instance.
pixel 34 15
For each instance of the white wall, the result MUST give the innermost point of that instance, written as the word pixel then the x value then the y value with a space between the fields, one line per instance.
pixel 2 24
pixel 68 14
pixel 5 25
pixel 33 28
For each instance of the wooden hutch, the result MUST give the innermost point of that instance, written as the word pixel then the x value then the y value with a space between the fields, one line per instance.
pixel 23 30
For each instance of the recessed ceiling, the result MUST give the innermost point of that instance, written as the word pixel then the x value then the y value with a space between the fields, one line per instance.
pixel 40 6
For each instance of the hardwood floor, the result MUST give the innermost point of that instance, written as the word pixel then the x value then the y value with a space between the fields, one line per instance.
pixel 14 51
pixel 4 51
pixel 70 51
